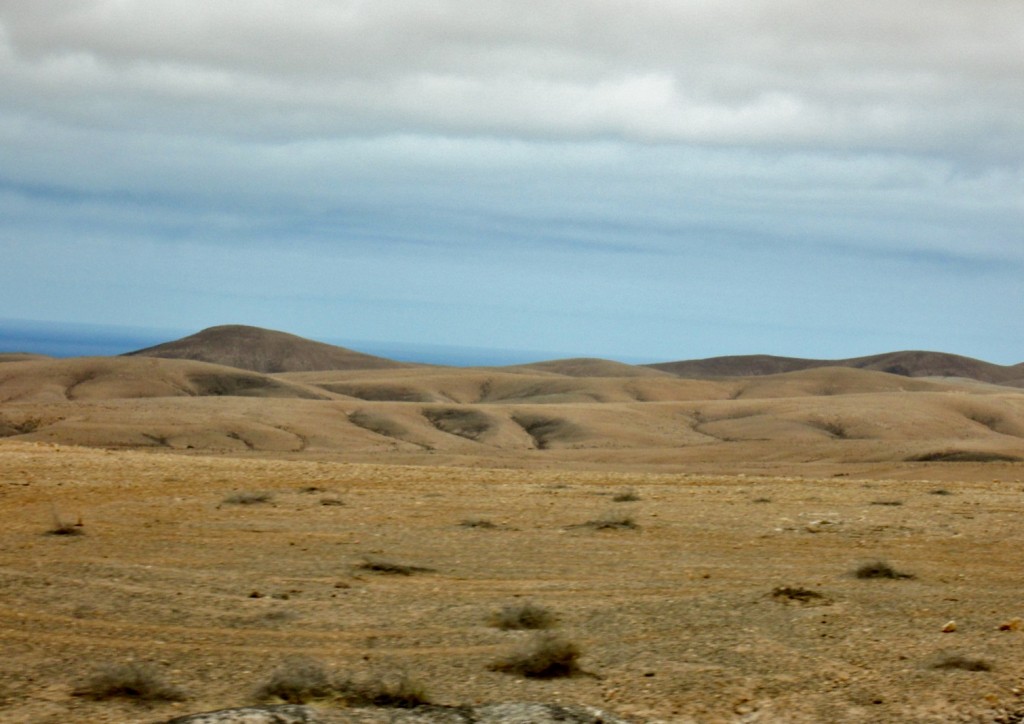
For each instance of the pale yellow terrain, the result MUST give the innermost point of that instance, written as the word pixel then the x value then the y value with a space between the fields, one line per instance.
pixel 743 485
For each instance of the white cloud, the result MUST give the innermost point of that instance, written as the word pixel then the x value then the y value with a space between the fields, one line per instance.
pixel 914 74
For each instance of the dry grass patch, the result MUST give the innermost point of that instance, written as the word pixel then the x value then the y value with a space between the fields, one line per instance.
pixel 546 656
pixel 626 496
pixel 301 680
pixel 382 565
pixel 520 616
pixel 611 521
pixel 879 569
pixel 960 662
pixel 140 682
pixel 248 498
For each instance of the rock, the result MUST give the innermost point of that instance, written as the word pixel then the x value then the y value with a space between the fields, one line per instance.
pixel 950 627
pixel 507 713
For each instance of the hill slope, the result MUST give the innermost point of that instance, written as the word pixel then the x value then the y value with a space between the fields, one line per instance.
pixel 907 364
pixel 264 350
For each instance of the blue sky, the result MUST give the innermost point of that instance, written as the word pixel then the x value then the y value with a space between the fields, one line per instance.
pixel 657 181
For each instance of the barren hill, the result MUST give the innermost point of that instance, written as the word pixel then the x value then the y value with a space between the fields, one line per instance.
pixel 112 378
pixel 264 350
pixel 906 364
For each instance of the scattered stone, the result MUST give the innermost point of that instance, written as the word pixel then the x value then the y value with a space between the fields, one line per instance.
pixel 1014 624
pixel 950 627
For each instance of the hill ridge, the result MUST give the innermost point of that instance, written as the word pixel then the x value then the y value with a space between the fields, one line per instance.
pixel 264 350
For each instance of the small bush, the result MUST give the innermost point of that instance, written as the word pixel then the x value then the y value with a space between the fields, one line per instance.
pixel 879 569
pixel 796 593
pixel 626 496
pixel 394 690
pixel 62 527
pixel 547 656
pixel 128 681
pixel 481 523
pixel 940 491
pixel 331 501
pixel 761 500
pixel 520 616
pixel 887 502
pixel 611 521
pixel 297 681
pixel 248 498
pixel 962 663
pixel 379 565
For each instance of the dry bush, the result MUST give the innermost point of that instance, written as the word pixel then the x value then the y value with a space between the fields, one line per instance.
pixel 611 521
pixel 300 680
pixel 887 502
pixel 519 616
pixel 248 498
pixel 546 656
pixel 331 501
pixel 482 523
pixel 961 663
pixel 396 690
pixel 297 681
pixel 128 681
pixel 879 569
pixel 939 491
pixel 626 496
pixel 62 527
pixel 796 593
pixel 380 565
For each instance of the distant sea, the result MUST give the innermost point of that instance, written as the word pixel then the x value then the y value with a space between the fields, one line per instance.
pixel 95 340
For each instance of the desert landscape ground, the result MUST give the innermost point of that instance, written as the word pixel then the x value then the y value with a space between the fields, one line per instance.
pixel 697 539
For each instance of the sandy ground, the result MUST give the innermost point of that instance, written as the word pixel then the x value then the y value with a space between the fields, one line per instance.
pixel 676 618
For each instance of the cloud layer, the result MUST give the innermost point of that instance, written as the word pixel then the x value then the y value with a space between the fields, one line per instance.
pixel 495 173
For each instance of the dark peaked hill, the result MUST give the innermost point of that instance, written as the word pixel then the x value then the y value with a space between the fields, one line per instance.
pixel 907 364
pixel 264 350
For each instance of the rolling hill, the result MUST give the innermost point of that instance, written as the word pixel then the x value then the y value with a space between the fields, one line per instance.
pixel 905 364
pixel 264 350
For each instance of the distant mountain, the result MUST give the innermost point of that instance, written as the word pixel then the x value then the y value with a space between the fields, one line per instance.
pixel 590 367
pixel 907 364
pixel 264 350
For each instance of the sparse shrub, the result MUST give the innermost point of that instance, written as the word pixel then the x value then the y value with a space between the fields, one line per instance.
pixel 517 616
pixel 300 680
pixel 331 501
pixel 626 496
pixel 380 565
pixel 248 498
pixel 387 690
pixel 297 681
pixel 128 681
pixel 887 502
pixel 962 663
pixel 940 491
pixel 62 527
pixel 796 593
pixel 478 523
pixel 546 656
pixel 879 569
pixel 761 500
pixel 611 521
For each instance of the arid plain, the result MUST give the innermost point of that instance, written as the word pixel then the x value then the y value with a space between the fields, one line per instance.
pixel 697 539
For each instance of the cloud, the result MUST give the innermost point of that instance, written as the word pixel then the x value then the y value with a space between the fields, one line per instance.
pixel 935 76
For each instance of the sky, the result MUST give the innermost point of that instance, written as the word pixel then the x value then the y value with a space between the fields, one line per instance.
pixel 647 181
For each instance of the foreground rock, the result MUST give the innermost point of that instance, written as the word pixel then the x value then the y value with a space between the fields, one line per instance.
pixel 509 713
